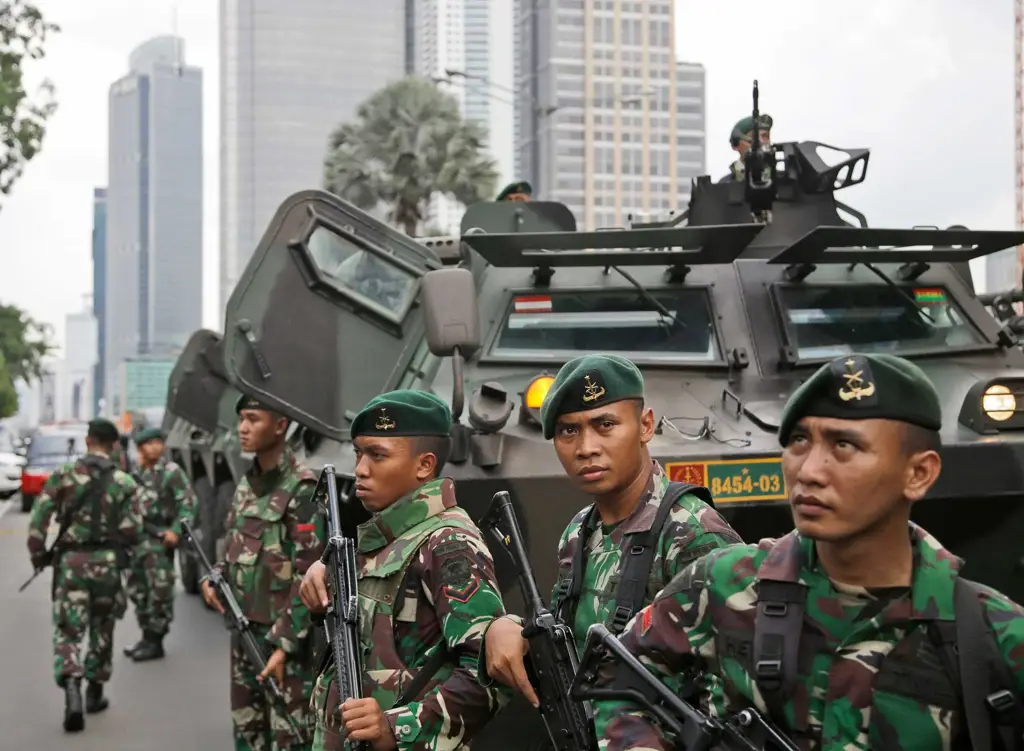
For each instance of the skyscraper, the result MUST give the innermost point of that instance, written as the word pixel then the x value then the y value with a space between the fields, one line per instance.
pixel 99 286
pixel 607 121
pixel 154 255
pixel 291 71
pixel 466 45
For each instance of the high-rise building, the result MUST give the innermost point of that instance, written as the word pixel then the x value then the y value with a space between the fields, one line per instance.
pixel 99 287
pixel 466 46
pixel 607 121
pixel 80 356
pixel 291 71
pixel 154 257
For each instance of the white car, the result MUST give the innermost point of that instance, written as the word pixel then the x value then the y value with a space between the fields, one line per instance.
pixel 10 473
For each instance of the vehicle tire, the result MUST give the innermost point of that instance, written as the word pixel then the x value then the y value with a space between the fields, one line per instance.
pixel 26 502
pixel 8 494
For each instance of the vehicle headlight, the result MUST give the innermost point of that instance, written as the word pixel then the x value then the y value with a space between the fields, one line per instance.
pixel 991 406
pixel 533 396
pixel 998 402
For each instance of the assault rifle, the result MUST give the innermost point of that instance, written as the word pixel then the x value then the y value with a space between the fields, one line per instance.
pixel 692 730
pixel 236 621
pixel 341 619
pixel 551 663
pixel 759 170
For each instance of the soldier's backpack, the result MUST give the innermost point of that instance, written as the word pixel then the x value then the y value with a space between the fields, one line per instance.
pixel 967 647
pixel 636 569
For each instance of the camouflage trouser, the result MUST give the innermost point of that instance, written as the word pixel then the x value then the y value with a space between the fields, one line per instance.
pixel 328 735
pixel 151 587
pixel 258 726
pixel 87 596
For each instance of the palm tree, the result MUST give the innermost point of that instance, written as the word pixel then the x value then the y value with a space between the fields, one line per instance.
pixel 408 142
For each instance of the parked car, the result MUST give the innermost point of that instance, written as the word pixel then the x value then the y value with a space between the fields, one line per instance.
pixel 49 448
pixel 10 473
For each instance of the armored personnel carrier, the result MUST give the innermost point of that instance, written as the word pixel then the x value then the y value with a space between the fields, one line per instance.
pixel 726 308
pixel 199 422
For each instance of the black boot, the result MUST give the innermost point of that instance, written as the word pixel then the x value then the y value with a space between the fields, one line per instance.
pixel 152 648
pixel 74 720
pixel 95 701
pixel 130 651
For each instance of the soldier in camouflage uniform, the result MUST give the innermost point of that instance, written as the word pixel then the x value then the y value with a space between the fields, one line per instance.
pixel 855 651
pixel 273 534
pixel 596 415
pixel 151 577
pixel 427 589
pixel 97 508
pixel 741 138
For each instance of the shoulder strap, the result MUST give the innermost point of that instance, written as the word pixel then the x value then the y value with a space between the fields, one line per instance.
pixel 93 496
pixel 569 592
pixel 778 625
pixel 636 568
pixel 991 705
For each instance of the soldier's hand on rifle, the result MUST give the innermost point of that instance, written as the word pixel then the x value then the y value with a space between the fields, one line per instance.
pixel 506 649
pixel 364 721
pixel 275 666
pixel 170 539
pixel 313 590
pixel 210 595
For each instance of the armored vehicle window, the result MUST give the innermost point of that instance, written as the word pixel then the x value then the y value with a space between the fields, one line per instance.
pixel 822 322
pixel 366 275
pixel 565 324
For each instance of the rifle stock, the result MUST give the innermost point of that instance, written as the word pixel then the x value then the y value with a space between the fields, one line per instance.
pixel 552 662
pixel 236 621
pixel 341 619
pixel 692 730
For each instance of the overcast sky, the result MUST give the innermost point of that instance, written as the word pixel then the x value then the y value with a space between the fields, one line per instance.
pixel 926 84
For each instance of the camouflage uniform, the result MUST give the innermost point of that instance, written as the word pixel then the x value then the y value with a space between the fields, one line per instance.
pixel 273 535
pixel 430 554
pixel 862 639
pixel 87 591
pixel 151 577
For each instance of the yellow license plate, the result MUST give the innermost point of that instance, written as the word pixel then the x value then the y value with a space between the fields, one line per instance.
pixel 734 480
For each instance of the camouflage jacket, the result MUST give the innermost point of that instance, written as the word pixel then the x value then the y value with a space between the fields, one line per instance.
pixel 448 595
pixel 273 535
pixel 115 519
pixel 170 499
pixel 854 641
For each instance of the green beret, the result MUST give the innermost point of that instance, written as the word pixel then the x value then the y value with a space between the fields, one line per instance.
pixel 587 383
pixel 248 402
pixel 403 413
pixel 148 434
pixel 520 187
pixel 746 125
pixel 103 430
pixel 863 387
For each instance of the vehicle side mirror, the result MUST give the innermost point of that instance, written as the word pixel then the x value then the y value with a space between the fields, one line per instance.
pixel 450 312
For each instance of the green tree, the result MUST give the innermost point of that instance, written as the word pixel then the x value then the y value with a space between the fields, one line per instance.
pixel 23 32
pixel 23 343
pixel 8 394
pixel 407 143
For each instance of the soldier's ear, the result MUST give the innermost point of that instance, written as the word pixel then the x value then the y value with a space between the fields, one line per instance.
pixel 426 466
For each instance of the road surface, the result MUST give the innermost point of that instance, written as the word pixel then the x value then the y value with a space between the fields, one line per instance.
pixel 180 702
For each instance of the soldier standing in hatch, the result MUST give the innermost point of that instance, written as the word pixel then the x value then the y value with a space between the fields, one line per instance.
pixel 151 576
pixel 521 191
pixel 97 508
pixel 273 534
pixel 427 589
pixel 741 138
pixel 595 412
pixel 857 592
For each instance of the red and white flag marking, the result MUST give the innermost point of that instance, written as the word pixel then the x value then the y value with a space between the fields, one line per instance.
pixel 533 304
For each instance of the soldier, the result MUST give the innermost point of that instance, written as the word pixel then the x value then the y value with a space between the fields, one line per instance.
pixel 426 588
pixel 595 412
pixel 520 191
pixel 863 597
pixel 151 576
pixel 273 534
pixel 97 506
pixel 741 138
